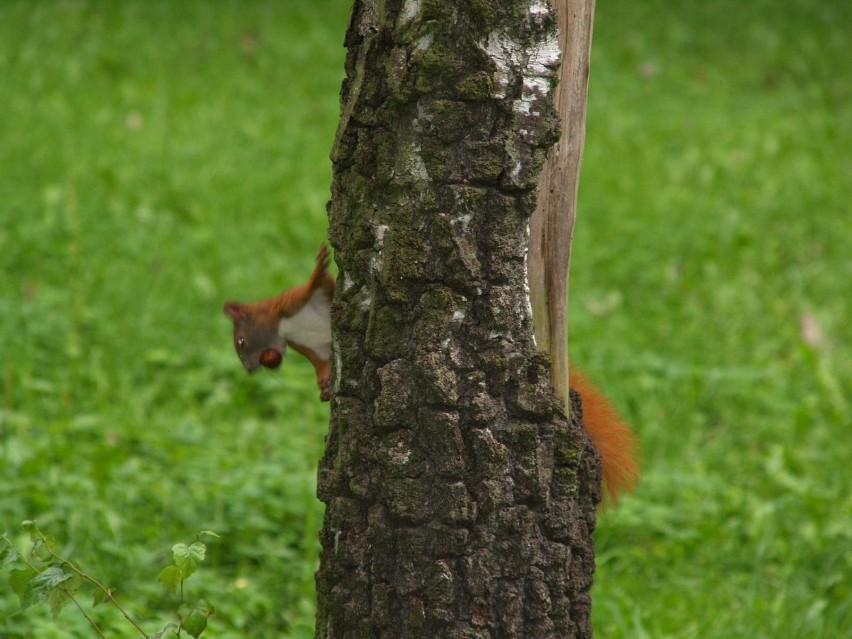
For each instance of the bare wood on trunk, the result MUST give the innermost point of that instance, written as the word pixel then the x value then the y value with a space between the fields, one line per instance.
pixel 552 226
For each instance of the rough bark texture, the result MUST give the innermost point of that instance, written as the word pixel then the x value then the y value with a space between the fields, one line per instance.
pixel 460 502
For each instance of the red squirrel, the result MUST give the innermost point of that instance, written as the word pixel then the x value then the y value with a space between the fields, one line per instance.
pixel 300 318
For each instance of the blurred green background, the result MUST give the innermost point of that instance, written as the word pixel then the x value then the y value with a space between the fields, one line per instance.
pixel 157 158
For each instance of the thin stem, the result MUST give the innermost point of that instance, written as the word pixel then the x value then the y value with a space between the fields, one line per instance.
pixel 21 556
pixel 180 625
pixel 97 584
pixel 84 613
pixel 35 568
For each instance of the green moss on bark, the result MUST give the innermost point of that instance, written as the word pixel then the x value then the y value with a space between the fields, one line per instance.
pixel 476 87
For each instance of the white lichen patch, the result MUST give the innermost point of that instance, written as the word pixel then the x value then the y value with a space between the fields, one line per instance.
pixel 458 315
pixel 463 221
pixel 506 55
pixel 399 455
pixel 534 63
pixel 338 366
pixel 376 263
pixel 516 170
pixel 537 78
pixel 363 297
pixel 419 169
pixel 527 292
pixel 544 57
pixel 423 42
pixel 411 162
pixel 539 9
pixel 490 439
pixel 410 10
pixel 533 89
pixel 381 229
pixel 348 282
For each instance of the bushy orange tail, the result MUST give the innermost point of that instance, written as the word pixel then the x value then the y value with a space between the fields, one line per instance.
pixel 611 435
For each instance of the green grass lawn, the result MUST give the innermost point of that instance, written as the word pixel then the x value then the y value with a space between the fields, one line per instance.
pixel 157 158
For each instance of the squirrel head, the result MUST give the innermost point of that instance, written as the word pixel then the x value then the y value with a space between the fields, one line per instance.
pixel 256 337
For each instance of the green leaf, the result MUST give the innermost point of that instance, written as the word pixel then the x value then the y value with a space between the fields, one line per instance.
pixel 59 595
pixel 51 577
pixel 208 533
pixel 8 554
pixel 21 580
pixel 195 623
pixel 43 546
pixel 170 577
pixel 171 630
pixel 188 558
pixel 194 617
pixel 199 550
pixel 33 587
pixel 102 596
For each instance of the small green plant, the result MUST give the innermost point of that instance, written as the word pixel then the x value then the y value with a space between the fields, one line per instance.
pixel 193 615
pixel 49 577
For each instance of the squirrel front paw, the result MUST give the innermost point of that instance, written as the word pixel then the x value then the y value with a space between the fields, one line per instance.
pixel 325 388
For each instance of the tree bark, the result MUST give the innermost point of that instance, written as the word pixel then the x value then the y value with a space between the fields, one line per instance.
pixel 460 502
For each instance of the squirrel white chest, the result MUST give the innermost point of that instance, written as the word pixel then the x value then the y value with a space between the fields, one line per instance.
pixel 310 326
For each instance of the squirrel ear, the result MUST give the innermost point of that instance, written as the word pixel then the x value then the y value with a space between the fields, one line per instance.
pixel 233 310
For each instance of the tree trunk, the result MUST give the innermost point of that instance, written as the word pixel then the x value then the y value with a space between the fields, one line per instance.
pixel 459 500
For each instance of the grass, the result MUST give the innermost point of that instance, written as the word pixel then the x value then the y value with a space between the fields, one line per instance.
pixel 161 157
pixel 711 292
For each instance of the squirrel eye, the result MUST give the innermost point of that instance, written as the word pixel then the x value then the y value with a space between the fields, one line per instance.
pixel 241 341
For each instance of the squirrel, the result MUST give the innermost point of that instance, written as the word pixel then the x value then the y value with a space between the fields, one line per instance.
pixel 300 318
